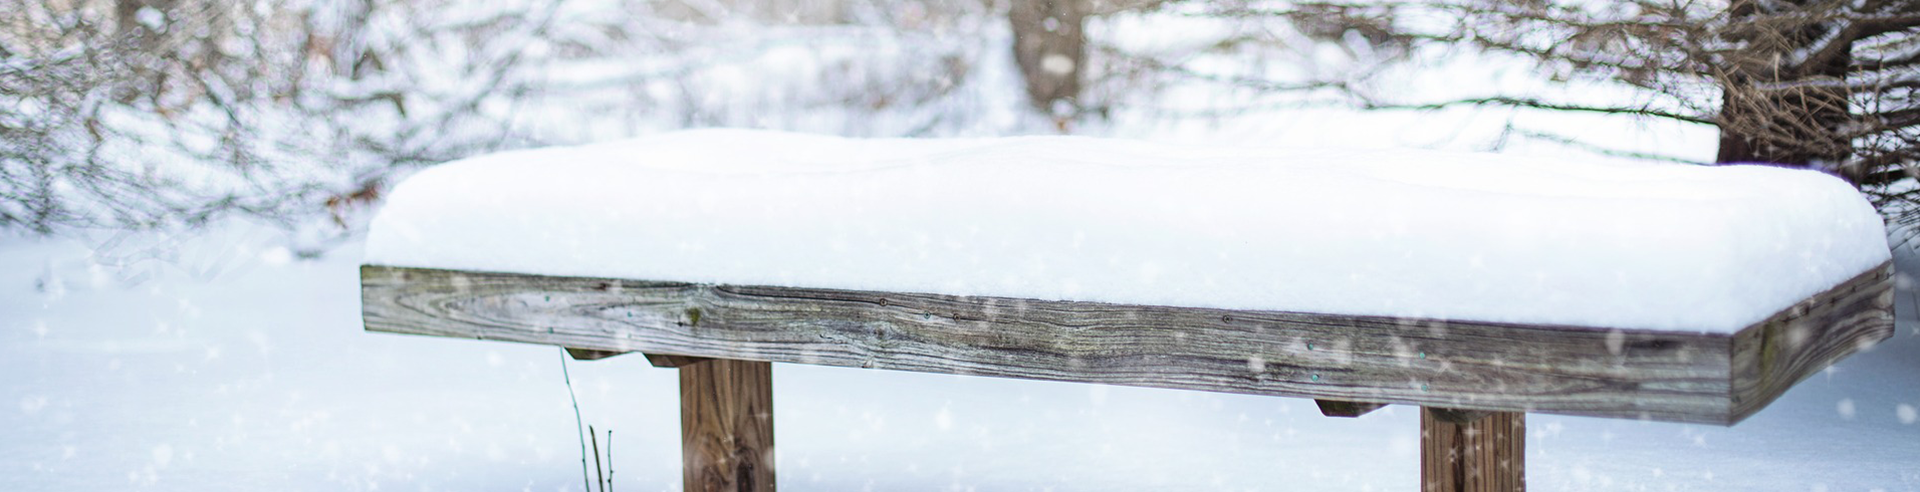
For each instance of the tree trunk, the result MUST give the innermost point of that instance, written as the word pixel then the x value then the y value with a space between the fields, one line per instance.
pixel 1050 45
pixel 1763 121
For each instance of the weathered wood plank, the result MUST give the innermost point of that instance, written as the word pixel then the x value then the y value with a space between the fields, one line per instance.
pixel 726 426
pixel 1345 409
pixel 1772 356
pixel 1484 454
pixel 1665 376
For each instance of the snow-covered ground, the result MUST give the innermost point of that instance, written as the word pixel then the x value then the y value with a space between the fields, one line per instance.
pixel 225 366
pixel 218 362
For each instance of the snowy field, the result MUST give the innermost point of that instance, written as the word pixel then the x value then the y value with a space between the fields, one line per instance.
pixel 218 361
pixel 228 366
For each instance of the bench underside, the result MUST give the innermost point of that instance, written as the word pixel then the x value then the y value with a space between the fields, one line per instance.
pixel 1626 373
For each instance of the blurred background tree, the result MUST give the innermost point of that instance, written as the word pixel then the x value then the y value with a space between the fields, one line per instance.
pixel 165 114
pixel 1822 84
pixel 169 114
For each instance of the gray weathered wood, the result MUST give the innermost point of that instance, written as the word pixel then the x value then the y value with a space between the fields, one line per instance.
pixel 1772 356
pixel 1657 375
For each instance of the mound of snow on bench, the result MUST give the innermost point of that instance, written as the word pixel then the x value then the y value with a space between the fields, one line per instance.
pixel 1423 234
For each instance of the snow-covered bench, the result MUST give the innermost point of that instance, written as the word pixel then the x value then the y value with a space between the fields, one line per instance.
pixel 1478 286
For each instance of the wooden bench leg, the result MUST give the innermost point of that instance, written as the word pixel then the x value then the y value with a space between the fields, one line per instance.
pixel 1472 451
pixel 726 425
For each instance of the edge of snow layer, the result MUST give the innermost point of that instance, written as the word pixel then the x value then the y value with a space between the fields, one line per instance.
pixel 1410 233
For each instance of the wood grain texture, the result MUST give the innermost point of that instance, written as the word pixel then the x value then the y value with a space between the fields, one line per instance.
pixel 1772 356
pixel 1487 454
pixel 1668 376
pixel 726 426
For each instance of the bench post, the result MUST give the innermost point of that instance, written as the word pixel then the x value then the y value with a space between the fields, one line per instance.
pixel 1472 451
pixel 726 425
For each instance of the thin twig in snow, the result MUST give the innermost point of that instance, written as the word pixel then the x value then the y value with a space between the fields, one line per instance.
pixel 609 486
pixel 585 481
pixel 600 476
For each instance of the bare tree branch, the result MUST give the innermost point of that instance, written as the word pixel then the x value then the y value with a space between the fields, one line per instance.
pixel 1538 104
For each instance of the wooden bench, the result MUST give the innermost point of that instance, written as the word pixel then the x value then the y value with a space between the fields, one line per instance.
pixel 1475 380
